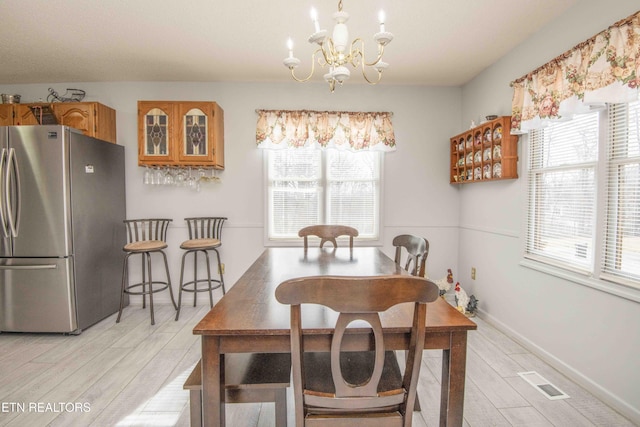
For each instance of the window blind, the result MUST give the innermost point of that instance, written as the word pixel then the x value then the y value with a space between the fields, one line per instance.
pixel 621 246
pixel 353 182
pixel 294 191
pixel 562 192
pixel 310 186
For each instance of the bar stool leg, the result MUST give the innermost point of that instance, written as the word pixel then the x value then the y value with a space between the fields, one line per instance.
pixel 125 279
pixel 195 278
pixel 184 256
pixel 148 257
pixel 144 281
pixel 206 254
pixel 166 267
pixel 220 271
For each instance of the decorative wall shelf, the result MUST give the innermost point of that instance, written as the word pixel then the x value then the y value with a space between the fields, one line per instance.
pixel 484 153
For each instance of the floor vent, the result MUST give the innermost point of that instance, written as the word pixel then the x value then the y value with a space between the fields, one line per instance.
pixel 543 386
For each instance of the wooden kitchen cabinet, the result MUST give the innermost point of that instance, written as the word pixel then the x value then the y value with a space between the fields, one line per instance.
pixel 6 114
pixel 484 153
pixel 92 118
pixel 17 114
pixel 180 133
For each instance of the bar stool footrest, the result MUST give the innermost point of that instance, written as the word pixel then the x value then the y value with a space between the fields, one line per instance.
pixel 162 287
pixel 188 286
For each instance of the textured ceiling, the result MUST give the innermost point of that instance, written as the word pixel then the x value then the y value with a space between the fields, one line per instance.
pixel 445 42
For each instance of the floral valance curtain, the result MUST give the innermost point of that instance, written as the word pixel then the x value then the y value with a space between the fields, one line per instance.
pixel 605 68
pixel 354 131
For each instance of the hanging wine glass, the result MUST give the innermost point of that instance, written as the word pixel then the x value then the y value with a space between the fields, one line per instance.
pixel 159 179
pixel 146 178
pixel 180 177
pixel 168 176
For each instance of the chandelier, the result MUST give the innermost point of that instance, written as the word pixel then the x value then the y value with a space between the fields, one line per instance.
pixel 332 51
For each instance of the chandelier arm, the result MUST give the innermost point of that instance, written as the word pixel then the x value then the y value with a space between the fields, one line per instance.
pixel 313 68
pixel 359 59
pixel 364 74
pixel 364 61
pixel 329 56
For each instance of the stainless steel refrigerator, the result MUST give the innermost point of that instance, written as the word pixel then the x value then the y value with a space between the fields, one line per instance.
pixel 62 202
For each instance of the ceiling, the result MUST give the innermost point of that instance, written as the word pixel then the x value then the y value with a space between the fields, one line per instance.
pixel 443 42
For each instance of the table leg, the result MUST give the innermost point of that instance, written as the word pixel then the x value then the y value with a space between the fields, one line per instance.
pixel 212 382
pixel 453 377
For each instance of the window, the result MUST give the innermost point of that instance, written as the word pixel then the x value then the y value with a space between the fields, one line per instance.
pixel 311 186
pixel 621 247
pixel 583 209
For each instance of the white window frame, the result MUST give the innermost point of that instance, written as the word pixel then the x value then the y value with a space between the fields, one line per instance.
pixel 376 240
pixel 594 276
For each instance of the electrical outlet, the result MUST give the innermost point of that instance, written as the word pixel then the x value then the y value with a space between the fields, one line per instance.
pixel 473 273
pixel 221 269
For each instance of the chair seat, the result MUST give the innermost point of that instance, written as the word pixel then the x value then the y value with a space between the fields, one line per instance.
pixel 200 244
pixel 145 246
pixel 318 370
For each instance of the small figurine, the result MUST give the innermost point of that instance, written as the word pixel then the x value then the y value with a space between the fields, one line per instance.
pixel 472 306
pixel 465 304
pixel 462 299
pixel 444 284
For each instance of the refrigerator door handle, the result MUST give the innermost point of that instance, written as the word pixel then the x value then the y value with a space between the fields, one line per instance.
pixel 12 165
pixel 29 267
pixel 3 204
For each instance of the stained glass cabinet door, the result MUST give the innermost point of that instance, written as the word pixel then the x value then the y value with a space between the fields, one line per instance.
pixel 201 134
pixel 155 128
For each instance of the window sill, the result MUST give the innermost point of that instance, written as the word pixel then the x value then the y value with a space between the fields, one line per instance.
pixel 619 290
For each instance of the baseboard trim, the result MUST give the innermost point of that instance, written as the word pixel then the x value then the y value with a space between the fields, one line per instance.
pixel 633 414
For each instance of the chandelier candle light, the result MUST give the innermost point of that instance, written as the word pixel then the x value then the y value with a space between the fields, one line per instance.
pixel 332 51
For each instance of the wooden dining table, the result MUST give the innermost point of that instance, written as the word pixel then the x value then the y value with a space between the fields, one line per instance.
pixel 249 319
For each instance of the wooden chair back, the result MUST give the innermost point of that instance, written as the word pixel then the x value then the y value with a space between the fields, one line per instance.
pixel 328 233
pixel 417 249
pixel 205 227
pixel 139 230
pixel 356 299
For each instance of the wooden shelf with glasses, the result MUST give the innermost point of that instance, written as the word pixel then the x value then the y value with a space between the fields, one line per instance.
pixel 484 153
pixel 180 133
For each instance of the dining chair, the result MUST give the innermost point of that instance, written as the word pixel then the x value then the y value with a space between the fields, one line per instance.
pixel 328 233
pixel 205 234
pixel 145 237
pixel 355 388
pixel 417 249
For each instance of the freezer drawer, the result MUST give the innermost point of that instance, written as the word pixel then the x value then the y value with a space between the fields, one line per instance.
pixel 37 295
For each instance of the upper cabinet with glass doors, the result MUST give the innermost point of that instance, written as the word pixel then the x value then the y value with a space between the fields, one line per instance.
pixel 180 133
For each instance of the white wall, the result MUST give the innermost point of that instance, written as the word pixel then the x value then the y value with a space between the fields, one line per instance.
pixel 589 335
pixel 417 196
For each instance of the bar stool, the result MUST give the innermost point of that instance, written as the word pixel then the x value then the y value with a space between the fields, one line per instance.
pixel 145 237
pixel 204 236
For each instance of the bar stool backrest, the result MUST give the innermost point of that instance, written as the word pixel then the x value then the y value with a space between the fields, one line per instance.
pixel 205 227
pixel 147 229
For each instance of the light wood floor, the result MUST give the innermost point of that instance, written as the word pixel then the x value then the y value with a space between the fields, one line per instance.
pixel 131 374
